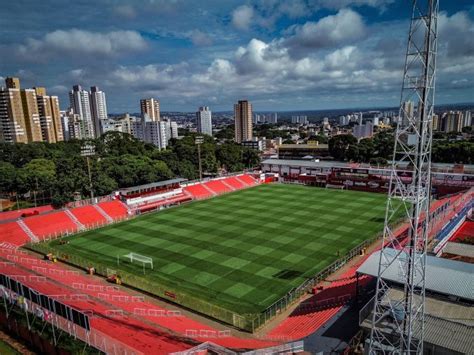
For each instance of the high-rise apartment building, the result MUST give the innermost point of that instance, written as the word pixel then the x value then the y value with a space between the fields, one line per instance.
pixel 301 120
pixel 50 117
pixel 435 122
pixel 98 109
pixel 28 115
pixel 364 131
pixel 467 119
pixel 12 119
pixel 407 112
pixel 80 103
pixel 204 120
pixel 453 121
pixel 32 119
pixel 151 108
pixel 243 121
pixel 12 83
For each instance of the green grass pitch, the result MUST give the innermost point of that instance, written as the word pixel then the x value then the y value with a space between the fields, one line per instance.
pixel 244 250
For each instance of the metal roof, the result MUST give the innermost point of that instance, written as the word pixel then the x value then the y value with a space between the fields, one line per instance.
pixel 459 249
pixel 153 184
pixel 306 163
pixel 450 335
pixel 443 276
pixel 468 169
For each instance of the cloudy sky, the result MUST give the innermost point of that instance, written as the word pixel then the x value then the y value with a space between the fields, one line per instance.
pixel 280 54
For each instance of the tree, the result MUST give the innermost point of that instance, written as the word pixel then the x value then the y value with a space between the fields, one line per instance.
pixel 7 177
pixel 366 149
pixel 339 144
pixel 226 133
pixel 251 157
pixel 353 153
pixel 229 156
pixel 39 174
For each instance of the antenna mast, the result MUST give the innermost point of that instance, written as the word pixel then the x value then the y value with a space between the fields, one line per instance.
pixel 398 324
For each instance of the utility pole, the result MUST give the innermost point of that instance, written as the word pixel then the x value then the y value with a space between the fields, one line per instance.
pixel 87 151
pixel 198 141
pixel 398 322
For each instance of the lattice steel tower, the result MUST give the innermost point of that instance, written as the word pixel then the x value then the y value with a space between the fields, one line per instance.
pixel 398 322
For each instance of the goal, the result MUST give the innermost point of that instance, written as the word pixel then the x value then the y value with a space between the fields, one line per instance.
pixel 143 260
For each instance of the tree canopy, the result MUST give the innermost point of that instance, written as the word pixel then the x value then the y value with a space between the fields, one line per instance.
pixel 59 171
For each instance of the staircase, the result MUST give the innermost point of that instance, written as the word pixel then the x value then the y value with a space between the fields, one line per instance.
pixel 226 184
pixel 28 231
pixel 188 194
pixel 209 189
pixel 79 225
pixel 242 181
pixel 103 213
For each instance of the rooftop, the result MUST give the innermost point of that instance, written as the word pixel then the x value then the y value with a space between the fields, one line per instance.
pixel 443 276
pixel 460 249
pixel 152 185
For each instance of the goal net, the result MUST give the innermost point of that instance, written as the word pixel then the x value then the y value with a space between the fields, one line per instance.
pixel 143 260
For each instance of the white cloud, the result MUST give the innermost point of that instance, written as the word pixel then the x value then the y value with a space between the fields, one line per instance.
pixel 344 27
pixel 339 4
pixel 126 10
pixel 199 38
pixel 74 41
pixel 242 17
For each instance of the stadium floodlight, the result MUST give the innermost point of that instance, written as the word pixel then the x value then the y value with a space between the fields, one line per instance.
pixel 88 150
pixel 413 142
pixel 198 141
pixel 142 259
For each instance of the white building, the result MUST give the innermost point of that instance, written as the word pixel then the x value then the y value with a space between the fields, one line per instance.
pixel 301 120
pixel 157 133
pixel 204 120
pixel 98 109
pixel 467 119
pixel 80 104
pixel 173 129
pixel 73 125
pixel 364 131
pixel 272 118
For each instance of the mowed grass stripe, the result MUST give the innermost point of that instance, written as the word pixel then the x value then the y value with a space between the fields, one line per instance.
pixel 244 250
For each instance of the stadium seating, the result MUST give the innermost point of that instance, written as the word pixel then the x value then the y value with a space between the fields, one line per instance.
pixel 11 232
pixel 101 297
pixel 115 209
pixel 51 224
pixel 4 216
pixel 88 216
pixel 198 191
pixel 466 230
pixel 301 325
pixel 247 179
pixel 144 338
pixel 217 186
pixel 236 184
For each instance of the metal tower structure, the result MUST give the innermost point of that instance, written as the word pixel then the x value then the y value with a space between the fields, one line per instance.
pixel 398 324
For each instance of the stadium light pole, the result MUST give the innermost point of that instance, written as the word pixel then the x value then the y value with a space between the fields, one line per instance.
pixel 413 141
pixel 87 151
pixel 198 141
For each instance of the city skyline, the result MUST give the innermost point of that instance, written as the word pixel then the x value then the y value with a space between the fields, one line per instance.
pixel 281 55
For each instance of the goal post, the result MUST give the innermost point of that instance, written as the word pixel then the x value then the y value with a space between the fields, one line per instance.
pixel 143 260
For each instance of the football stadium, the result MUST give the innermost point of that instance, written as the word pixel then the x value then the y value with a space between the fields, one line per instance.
pixel 234 263
pixel 235 254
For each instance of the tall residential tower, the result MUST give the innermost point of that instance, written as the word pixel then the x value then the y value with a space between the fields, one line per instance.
pixel 243 121
pixel 80 103
pixel 98 109
pixel 204 120
pixel 150 107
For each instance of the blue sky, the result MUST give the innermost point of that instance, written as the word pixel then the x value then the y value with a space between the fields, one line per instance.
pixel 280 54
